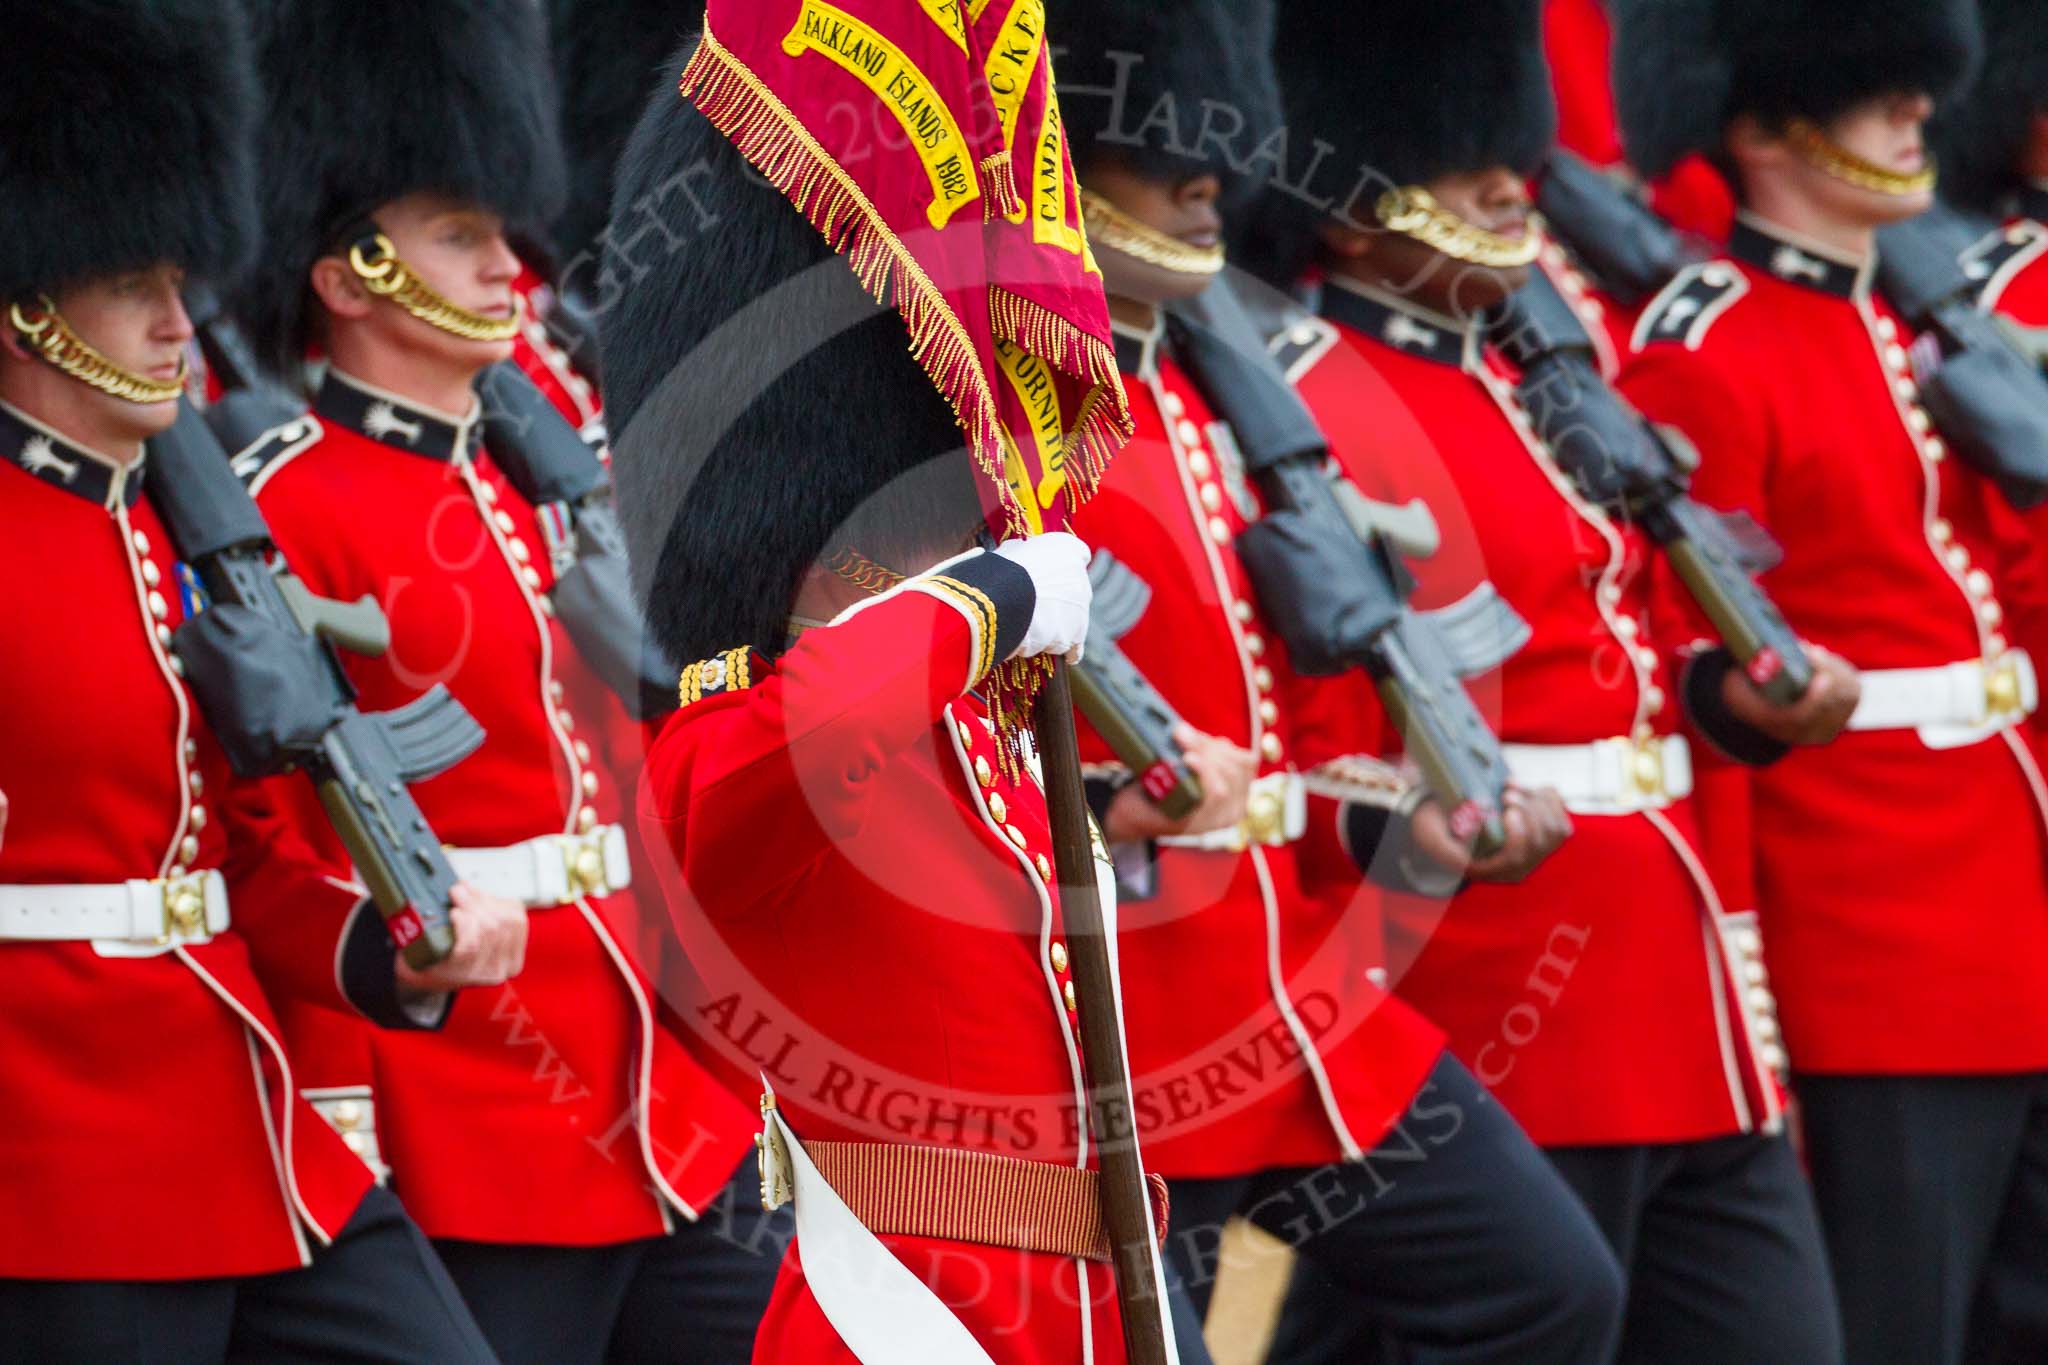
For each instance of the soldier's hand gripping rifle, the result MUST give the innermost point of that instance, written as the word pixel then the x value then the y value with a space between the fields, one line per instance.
pixel 1128 712
pixel 1338 599
pixel 1985 389
pixel 260 660
pixel 1630 251
pixel 553 468
pixel 1619 461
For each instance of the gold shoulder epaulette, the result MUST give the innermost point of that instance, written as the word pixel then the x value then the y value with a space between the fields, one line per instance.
pixel 731 671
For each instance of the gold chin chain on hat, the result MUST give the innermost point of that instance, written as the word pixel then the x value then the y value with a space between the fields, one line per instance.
pixel 386 276
pixel 1109 226
pixel 50 337
pixel 1413 211
pixel 1832 158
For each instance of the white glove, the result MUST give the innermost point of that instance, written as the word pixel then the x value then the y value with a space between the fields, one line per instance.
pixel 1058 565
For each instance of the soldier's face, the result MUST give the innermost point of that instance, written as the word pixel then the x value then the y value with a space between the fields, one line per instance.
pixel 1496 199
pixel 1887 133
pixel 459 251
pixel 1185 211
pixel 138 321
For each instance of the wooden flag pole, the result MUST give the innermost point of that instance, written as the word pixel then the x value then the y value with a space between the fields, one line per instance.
pixel 1126 1201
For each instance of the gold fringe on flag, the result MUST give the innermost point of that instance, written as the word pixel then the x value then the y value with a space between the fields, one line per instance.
pixel 777 145
pixel 999 193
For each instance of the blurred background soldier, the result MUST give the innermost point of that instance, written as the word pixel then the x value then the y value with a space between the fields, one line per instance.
pixel 1607 999
pixel 555 1138
pixel 1903 875
pixel 1360 1109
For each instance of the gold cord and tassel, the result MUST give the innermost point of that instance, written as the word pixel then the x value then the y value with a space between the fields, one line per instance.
pixel 386 276
pixel 1413 211
pixel 50 337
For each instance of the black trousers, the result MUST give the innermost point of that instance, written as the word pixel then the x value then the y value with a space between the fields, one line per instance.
pixel 377 1296
pixel 1719 1242
pixel 693 1297
pixel 1934 1194
pixel 1454 1236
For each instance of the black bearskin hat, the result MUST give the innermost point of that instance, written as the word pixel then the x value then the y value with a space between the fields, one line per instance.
pixel 1684 68
pixel 124 141
pixel 372 100
pixel 1170 90
pixel 763 407
pixel 1979 138
pixel 610 55
pixel 1402 92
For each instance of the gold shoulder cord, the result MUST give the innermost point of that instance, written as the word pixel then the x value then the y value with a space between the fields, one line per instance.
pixel 1832 158
pixel 1109 226
pixel 1413 212
pixel 50 337
pixel 386 276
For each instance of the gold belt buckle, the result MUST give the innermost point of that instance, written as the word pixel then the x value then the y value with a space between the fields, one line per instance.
pixel 1646 767
pixel 1265 815
pixel 583 859
pixel 184 906
pixel 2002 693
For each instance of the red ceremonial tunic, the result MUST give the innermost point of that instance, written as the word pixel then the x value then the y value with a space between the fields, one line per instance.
pixel 1599 998
pixel 1288 1055
pixel 1903 888
pixel 558 1108
pixel 151 1126
pixel 850 865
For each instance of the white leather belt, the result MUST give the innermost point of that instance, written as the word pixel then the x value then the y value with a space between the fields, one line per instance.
pixel 161 912
pixel 1608 776
pixel 1275 813
pixel 551 870
pixel 1952 705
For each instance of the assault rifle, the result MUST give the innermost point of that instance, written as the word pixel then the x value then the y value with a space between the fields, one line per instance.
pixel 1628 249
pixel 1339 599
pixel 261 661
pixel 568 484
pixel 1120 702
pixel 1621 462
pixel 1983 386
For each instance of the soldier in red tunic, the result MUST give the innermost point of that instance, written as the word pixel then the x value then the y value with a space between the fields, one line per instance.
pixel 168 1194
pixel 1903 874
pixel 555 1138
pixel 1290 1086
pixel 1614 999
pixel 849 852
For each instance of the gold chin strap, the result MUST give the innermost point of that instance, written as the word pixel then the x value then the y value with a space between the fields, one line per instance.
pixel 1109 226
pixel 1832 158
pixel 386 276
pixel 50 337
pixel 1413 212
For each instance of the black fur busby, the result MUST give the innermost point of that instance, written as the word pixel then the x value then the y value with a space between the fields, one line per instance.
pixel 1170 90
pixel 1979 137
pixel 372 100
pixel 763 408
pixel 1684 68
pixel 610 56
pixel 1400 93
pixel 124 133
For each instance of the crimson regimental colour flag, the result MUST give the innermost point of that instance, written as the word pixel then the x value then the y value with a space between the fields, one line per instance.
pixel 922 138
